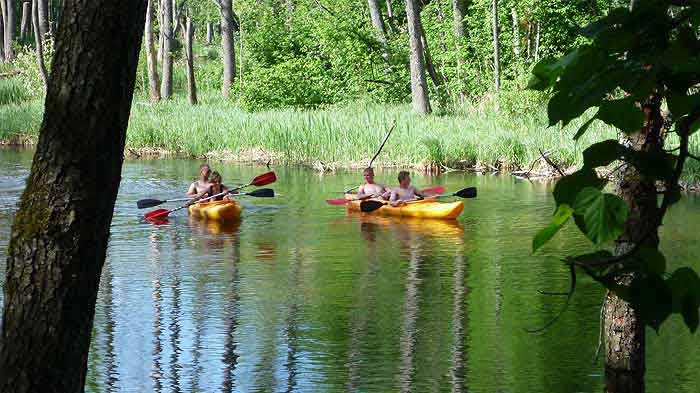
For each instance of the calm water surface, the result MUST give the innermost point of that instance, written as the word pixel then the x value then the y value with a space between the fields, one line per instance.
pixel 302 296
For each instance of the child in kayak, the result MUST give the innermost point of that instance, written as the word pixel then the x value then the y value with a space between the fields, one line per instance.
pixel 371 189
pixel 216 187
pixel 200 188
pixel 405 191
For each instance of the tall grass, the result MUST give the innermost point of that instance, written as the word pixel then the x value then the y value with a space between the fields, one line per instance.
pixel 12 92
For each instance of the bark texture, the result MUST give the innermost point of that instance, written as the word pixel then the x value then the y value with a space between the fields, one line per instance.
pixel 624 330
pixel 188 32
pixel 151 60
pixel 419 86
pixel 39 44
pixel 496 46
pixel 24 26
pixel 210 33
pixel 43 12
pixel 375 14
pixel 2 35
pixel 9 28
pixel 166 31
pixel 227 46
pixel 516 33
pixel 60 232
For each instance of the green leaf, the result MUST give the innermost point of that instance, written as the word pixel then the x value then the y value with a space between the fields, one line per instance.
pixel 582 130
pixel 603 214
pixel 602 153
pixel 652 260
pixel 622 114
pixel 561 216
pixel 691 317
pixel 594 256
pixel 652 299
pixel 568 187
pixel 684 282
pixel 681 104
pixel 653 164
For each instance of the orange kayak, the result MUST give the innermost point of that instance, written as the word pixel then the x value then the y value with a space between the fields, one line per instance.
pixel 226 210
pixel 426 208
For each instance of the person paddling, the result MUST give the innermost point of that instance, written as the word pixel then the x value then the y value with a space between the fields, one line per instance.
pixel 200 188
pixel 371 189
pixel 405 191
pixel 216 187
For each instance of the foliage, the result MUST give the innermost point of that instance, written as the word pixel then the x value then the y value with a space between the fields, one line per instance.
pixel 630 63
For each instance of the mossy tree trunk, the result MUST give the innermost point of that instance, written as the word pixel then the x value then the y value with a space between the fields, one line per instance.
pixel 60 232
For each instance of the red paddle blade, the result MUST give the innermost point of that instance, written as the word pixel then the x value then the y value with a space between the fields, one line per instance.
pixel 433 190
pixel 156 214
pixel 264 179
pixel 337 202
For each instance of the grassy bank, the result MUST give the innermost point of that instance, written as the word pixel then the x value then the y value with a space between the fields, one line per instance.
pixel 344 136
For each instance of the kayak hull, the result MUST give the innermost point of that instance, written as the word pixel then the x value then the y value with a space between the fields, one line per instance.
pixel 426 208
pixel 222 211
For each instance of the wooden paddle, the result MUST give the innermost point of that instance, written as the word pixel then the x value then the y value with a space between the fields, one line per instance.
pixel 370 206
pixel 393 125
pixel 343 201
pixel 262 180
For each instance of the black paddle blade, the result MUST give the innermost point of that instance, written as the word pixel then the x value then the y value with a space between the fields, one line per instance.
pixel 262 193
pixel 144 203
pixel 469 192
pixel 370 206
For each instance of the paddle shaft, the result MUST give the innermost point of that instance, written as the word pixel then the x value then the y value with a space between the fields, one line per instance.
pixel 386 138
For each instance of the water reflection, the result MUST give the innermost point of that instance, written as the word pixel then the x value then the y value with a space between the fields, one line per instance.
pixel 231 315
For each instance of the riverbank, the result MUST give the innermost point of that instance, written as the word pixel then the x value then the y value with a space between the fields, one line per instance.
pixel 477 138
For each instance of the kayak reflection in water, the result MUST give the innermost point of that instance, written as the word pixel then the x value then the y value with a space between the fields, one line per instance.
pixel 405 191
pixel 200 188
pixel 372 189
pixel 216 186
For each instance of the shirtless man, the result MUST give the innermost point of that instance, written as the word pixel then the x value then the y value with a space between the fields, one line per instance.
pixel 200 188
pixel 405 191
pixel 371 189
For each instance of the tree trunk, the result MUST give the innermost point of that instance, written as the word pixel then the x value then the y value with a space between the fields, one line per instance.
pixel 496 48
pixel 227 46
pixel 378 23
pixel 2 35
pixel 9 27
pixel 436 78
pixel 528 39
pixel 537 43
pixel 152 62
pixel 60 232
pixel 43 10
pixel 39 45
pixel 458 10
pixel 390 16
pixel 187 33
pixel 166 31
pixel 210 33
pixel 24 27
pixel 516 34
pixel 419 86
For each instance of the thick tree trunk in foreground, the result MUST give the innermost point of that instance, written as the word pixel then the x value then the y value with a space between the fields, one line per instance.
pixel 166 31
pixel 227 46
pixel 496 48
pixel 59 235
pixel 419 86
pixel 188 32
pixel 152 62
pixel 39 44
pixel 624 330
pixel 24 26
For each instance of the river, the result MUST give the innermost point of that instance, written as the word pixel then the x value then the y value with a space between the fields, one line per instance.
pixel 302 296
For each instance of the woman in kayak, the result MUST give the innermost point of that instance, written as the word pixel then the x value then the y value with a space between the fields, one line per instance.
pixel 200 188
pixel 217 187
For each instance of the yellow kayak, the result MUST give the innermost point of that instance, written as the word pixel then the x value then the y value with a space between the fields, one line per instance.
pixel 426 208
pixel 226 210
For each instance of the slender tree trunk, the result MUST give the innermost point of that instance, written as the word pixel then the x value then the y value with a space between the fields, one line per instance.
pixel 419 86
pixel 2 34
pixel 496 46
pixel 166 31
pixel 24 26
pixel 227 46
pixel 528 39
pixel 429 65
pixel 210 33
pixel 187 33
pixel 537 43
pixel 60 232
pixel 390 17
pixel 43 10
pixel 152 62
pixel 458 11
pixel 375 14
pixel 516 34
pixel 8 28
pixel 39 45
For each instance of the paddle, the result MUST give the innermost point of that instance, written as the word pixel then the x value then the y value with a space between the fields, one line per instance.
pixel 393 125
pixel 260 193
pixel 144 203
pixel 262 180
pixel 370 206
pixel 342 201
